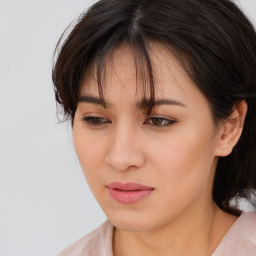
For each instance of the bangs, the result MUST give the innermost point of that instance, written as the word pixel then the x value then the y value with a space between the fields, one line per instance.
pixel 102 60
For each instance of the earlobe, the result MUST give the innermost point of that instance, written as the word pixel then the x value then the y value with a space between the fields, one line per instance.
pixel 231 130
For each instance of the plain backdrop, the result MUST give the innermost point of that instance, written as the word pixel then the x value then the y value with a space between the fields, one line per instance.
pixel 45 203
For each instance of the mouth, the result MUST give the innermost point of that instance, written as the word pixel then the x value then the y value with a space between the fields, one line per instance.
pixel 128 193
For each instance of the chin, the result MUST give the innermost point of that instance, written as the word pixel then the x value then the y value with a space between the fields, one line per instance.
pixel 135 222
pixel 130 225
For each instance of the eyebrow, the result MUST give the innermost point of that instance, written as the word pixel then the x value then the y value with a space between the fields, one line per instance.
pixel 141 104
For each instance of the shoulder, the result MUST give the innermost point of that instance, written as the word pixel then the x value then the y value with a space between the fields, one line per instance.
pixel 241 238
pixel 97 243
pixel 247 227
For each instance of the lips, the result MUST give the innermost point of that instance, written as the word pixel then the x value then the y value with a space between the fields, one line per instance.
pixel 128 193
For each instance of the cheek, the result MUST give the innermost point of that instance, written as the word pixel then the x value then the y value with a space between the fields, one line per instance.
pixel 90 153
pixel 186 162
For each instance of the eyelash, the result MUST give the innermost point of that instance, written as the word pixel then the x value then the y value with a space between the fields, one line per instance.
pixel 97 121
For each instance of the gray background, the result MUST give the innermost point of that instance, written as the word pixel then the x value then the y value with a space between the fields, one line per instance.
pixel 45 203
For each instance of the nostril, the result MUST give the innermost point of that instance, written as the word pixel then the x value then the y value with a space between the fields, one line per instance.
pixel 124 153
pixel 122 161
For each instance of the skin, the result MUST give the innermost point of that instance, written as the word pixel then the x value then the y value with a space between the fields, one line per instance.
pixel 178 160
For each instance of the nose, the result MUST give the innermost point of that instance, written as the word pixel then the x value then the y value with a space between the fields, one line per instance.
pixel 124 151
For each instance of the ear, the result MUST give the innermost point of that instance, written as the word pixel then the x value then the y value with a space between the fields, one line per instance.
pixel 231 130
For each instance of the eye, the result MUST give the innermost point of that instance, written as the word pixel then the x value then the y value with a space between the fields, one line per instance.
pixel 160 121
pixel 155 121
pixel 95 120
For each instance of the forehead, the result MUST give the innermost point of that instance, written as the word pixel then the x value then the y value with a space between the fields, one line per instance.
pixel 125 69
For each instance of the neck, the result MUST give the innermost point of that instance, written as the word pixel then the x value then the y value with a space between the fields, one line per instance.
pixel 195 233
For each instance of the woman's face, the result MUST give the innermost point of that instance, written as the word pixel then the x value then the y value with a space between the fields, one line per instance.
pixel 146 171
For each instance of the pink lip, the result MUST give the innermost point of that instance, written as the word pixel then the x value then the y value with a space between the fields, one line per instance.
pixel 128 193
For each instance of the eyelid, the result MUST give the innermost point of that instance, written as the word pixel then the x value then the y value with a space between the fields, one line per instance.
pixel 169 120
pixel 94 120
pixel 91 117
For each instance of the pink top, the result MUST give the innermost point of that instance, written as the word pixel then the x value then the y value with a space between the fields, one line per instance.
pixel 240 240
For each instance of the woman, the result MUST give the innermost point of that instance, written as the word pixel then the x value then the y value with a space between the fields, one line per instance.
pixel 161 95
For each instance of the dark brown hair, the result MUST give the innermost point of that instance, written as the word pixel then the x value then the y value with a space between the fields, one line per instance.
pixel 214 42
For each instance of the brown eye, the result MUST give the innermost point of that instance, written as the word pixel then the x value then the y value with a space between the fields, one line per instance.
pixel 95 120
pixel 160 122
